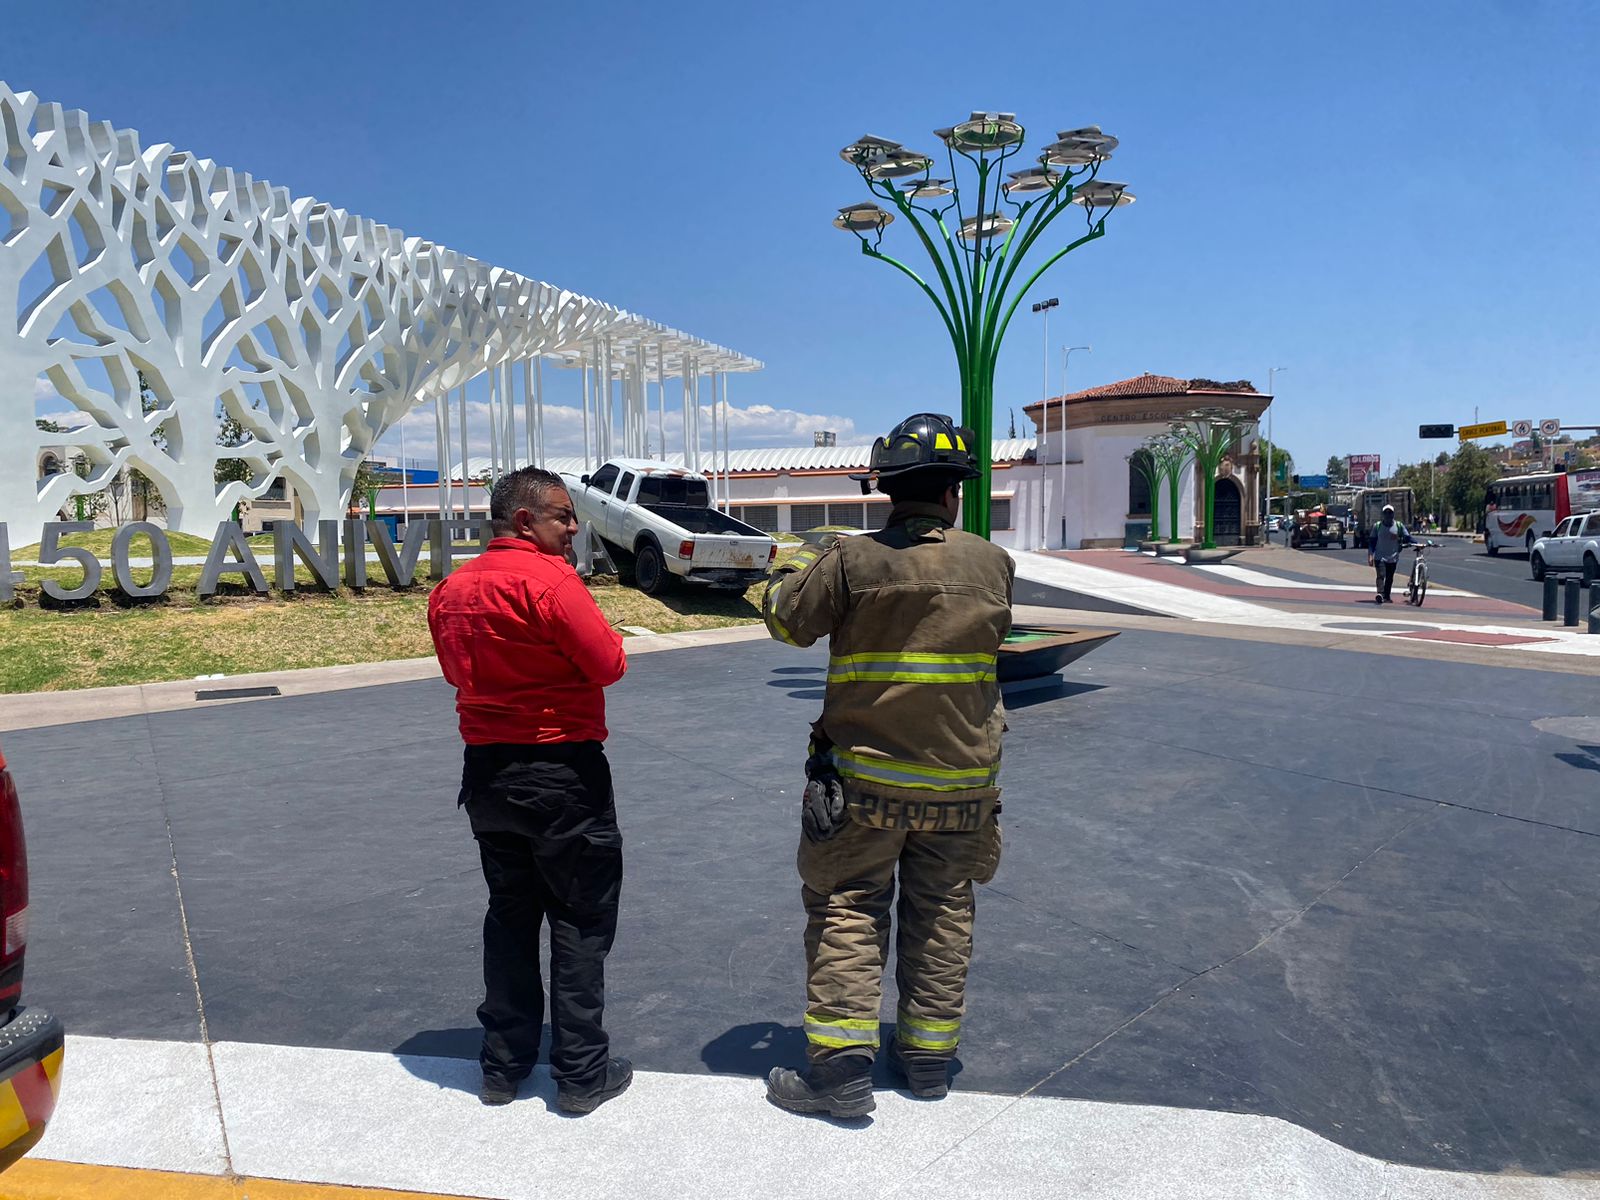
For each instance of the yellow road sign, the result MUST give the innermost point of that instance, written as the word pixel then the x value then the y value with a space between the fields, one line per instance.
pixel 1487 429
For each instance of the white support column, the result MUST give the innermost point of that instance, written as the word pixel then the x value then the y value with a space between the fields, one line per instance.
pixel 727 449
pixel 684 372
pixel 441 442
pixel 494 432
pixel 538 407
pixel 607 416
pixel 527 410
pixel 466 488
pixel 661 397
pixel 641 393
pixel 508 409
pixel 587 464
pixel 715 494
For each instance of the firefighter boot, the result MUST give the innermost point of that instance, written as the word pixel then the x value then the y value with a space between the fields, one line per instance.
pixel 612 1082
pixel 928 1077
pixel 840 1086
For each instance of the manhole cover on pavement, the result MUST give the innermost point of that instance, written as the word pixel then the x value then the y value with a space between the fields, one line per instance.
pixel 1375 626
pixel 1579 729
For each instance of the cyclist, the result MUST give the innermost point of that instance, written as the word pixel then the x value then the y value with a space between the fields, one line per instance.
pixel 1383 551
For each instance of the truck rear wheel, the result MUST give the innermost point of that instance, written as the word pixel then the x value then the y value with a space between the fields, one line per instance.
pixel 650 574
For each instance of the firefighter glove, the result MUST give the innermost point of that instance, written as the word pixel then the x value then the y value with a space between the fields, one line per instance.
pixel 822 810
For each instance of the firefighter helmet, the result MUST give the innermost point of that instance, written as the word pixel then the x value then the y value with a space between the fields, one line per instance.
pixel 925 442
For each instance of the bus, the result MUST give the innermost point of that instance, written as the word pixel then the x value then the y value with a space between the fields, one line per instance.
pixel 1524 508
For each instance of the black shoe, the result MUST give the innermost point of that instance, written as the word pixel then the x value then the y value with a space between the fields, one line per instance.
pixel 619 1074
pixel 838 1087
pixel 927 1077
pixel 496 1089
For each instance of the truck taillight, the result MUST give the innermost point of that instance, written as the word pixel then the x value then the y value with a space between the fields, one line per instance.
pixel 686 549
pixel 13 893
pixel 772 552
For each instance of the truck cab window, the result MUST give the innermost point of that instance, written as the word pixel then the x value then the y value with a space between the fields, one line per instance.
pixel 625 486
pixel 675 491
pixel 604 478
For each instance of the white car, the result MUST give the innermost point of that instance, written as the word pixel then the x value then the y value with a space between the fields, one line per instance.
pixel 1573 545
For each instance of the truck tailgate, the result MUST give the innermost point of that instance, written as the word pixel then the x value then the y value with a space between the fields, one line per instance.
pixel 722 551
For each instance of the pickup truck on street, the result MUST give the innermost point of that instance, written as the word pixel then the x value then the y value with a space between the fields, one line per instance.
pixel 1573 545
pixel 659 519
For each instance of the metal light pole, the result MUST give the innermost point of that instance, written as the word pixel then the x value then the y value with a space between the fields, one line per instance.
pixel 975 245
pixel 1272 445
pixel 1044 306
pixel 1066 359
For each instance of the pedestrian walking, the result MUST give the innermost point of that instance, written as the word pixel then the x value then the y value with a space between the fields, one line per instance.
pixel 1383 551
pixel 529 654
pixel 902 773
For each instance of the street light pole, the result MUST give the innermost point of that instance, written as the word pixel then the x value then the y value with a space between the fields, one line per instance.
pixel 1066 359
pixel 1272 446
pixel 1044 306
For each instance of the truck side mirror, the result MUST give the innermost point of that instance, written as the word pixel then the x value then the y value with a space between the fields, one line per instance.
pixel 583 479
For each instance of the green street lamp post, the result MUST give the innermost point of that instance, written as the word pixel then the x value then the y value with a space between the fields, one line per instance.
pixel 976 264
pixel 1209 433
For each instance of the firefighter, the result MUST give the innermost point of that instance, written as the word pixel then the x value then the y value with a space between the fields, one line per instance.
pixel 902 771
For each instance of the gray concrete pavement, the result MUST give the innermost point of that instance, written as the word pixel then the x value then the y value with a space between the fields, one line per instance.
pixel 1349 891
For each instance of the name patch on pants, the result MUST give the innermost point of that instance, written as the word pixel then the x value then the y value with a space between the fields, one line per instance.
pixel 920 816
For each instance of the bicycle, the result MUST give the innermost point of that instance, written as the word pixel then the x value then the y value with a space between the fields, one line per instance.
pixel 1417 586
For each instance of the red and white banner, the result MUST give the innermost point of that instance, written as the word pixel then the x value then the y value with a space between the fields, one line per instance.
pixel 1365 468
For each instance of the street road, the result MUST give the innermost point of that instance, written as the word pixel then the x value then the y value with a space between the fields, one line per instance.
pixel 1459 563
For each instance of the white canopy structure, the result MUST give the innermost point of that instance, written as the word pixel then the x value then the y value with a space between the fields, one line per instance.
pixel 154 289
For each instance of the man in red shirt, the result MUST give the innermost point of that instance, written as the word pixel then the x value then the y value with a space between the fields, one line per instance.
pixel 529 653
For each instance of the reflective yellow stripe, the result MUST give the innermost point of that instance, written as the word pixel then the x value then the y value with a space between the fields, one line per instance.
pixel 774 626
pixel 913 775
pixel 926 1026
pixel 912 668
pixel 922 1034
pixel 949 1042
pixel 838 1032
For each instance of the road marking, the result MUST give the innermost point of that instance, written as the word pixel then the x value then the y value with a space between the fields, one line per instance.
pixel 38 1179
pixel 1262 579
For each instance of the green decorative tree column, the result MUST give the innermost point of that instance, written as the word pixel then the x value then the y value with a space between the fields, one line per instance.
pixel 975 267
pixel 1209 433
pixel 1144 462
pixel 1169 454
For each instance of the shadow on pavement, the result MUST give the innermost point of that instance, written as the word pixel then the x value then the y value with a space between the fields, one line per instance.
pixel 1058 689
pixel 756 1048
pixel 1589 760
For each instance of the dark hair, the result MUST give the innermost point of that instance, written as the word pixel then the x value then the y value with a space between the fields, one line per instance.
pixel 524 488
pixel 920 487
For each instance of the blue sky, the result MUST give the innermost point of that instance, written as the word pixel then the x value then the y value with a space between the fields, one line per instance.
pixel 1397 202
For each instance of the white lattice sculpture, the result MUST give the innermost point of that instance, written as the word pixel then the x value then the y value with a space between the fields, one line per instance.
pixel 314 328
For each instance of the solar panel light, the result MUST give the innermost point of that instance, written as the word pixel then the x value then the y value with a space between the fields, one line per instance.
pixel 860 218
pixel 867 150
pixel 927 189
pixel 1034 179
pixel 1100 193
pixel 976 229
pixel 983 132
pixel 896 164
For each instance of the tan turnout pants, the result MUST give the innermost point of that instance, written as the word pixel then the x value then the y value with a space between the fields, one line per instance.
pixel 848 886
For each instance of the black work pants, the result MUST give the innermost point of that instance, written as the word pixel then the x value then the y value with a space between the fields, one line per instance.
pixel 546 828
pixel 1386 578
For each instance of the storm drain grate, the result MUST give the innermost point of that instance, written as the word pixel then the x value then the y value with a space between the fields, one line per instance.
pixel 244 693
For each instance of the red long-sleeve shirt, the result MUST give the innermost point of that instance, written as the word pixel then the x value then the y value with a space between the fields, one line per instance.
pixel 525 646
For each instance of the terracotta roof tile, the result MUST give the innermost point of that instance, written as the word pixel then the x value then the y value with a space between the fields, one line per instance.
pixel 1155 385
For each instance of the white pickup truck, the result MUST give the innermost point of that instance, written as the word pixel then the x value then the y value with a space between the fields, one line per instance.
pixel 659 519
pixel 1573 545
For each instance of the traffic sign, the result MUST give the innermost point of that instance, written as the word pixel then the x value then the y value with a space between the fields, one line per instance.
pixel 1522 429
pixel 1549 428
pixel 1314 482
pixel 1436 431
pixel 1486 429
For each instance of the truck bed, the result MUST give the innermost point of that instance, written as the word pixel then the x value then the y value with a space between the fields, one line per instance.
pixel 703 520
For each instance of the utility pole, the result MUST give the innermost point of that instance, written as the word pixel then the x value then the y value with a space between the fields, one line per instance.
pixel 1044 306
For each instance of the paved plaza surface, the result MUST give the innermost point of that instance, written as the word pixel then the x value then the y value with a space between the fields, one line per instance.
pixel 1354 892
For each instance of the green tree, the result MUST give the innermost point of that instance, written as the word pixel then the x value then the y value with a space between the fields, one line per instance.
pixel 144 496
pixel 47 426
pixel 1472 470
pixel 1338 470
pixel 365 488
pixel 1277 466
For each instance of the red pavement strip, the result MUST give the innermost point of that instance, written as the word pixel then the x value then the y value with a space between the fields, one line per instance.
pixel 1182 575
pixel 1470 637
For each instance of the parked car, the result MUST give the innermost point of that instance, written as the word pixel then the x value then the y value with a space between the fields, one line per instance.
pixel 659 521
pixel 1573 545
pixel 31 1040
pixel 1274 523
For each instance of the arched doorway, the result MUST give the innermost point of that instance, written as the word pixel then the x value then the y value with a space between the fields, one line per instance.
pixel 1228 516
